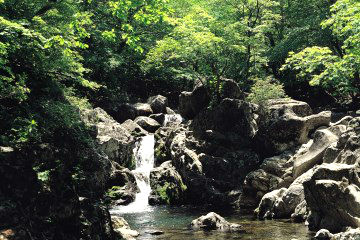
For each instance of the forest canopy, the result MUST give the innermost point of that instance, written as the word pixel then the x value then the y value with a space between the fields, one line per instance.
pixel 58 56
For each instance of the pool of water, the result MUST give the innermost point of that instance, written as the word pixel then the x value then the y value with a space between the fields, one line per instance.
pixel 174 222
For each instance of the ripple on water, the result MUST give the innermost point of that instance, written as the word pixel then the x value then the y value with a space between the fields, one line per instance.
pixel 174 222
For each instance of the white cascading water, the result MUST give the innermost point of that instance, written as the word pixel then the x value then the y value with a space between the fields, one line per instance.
pixel 144 156
pixel 172 118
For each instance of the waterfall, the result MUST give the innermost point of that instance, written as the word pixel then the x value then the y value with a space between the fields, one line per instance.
pixel 144 157
pixel 172 119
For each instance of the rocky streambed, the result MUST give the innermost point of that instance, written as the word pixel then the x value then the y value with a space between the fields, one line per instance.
pixel 279 160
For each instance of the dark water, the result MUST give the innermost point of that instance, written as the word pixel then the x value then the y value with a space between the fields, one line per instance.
pixel 174 222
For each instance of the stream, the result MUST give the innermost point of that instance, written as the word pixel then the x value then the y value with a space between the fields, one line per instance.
pixel 174 221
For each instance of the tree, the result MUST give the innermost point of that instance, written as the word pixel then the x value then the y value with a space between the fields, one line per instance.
pixel 334 69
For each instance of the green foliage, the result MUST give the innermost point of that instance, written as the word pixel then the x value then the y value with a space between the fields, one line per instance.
pixel 114 193
pixel 336 70
pixel 170 193
pixel 265 89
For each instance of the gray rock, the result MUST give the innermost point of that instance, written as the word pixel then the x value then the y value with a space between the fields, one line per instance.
pixel 167 185
pixel 111 137
pixel 159 117
pixel 283 202
pixel 323 138
pixel 148 124
pixel 287 123
pixel 158 103
pixel 333 196
pixel 133 128
pixel 230 89
pixel 191 103
pixel 122 228
pixel 213 221
pixel 323 234
pixel 349 234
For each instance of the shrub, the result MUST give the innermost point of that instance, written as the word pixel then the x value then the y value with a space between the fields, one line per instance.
pixel 265 89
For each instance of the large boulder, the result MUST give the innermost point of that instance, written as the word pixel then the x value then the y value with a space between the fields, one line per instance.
pixel 111 137
pixel 349 234
pixel 230 89
pixel 133 128
pixel 148 124
pixel 166 184
pixel 122 186
pixel 332 194
pixel 158 103
pixel 282 203
pixel 236 119
pixel 130 111
pixel 122 228
pixel 323 138
pixel 287 123
pixel 213 221
pixel 347 149
pixel 191 103
pixel 270 176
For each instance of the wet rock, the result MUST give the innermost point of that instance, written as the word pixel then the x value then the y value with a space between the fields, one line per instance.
pixel 148 124
pixel 332 194
pixel 323 234
pixel 122 228
pixel 156 232
pixel 191 103
pixel 122 186
pixel 287 123
pixel 158 103
pixel 300 214
pixel 213 221
pixel 167 185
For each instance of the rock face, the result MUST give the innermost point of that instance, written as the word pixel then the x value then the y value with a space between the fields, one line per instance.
pixel 167 185
pixel 131 111
pixel 147 123
pixel 122 186
pixel 282 203
pixel 191 103
pixel 349 234
pixel 323 138
pixel 346 150
pixel 235 119
pixel 133 128
pixel 158 103
pixel 111 137
pixel 213 221
pixel 287 123
pixel 333 197
pixel 272 174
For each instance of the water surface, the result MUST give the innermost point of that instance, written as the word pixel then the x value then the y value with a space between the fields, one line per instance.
pixel 174 222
